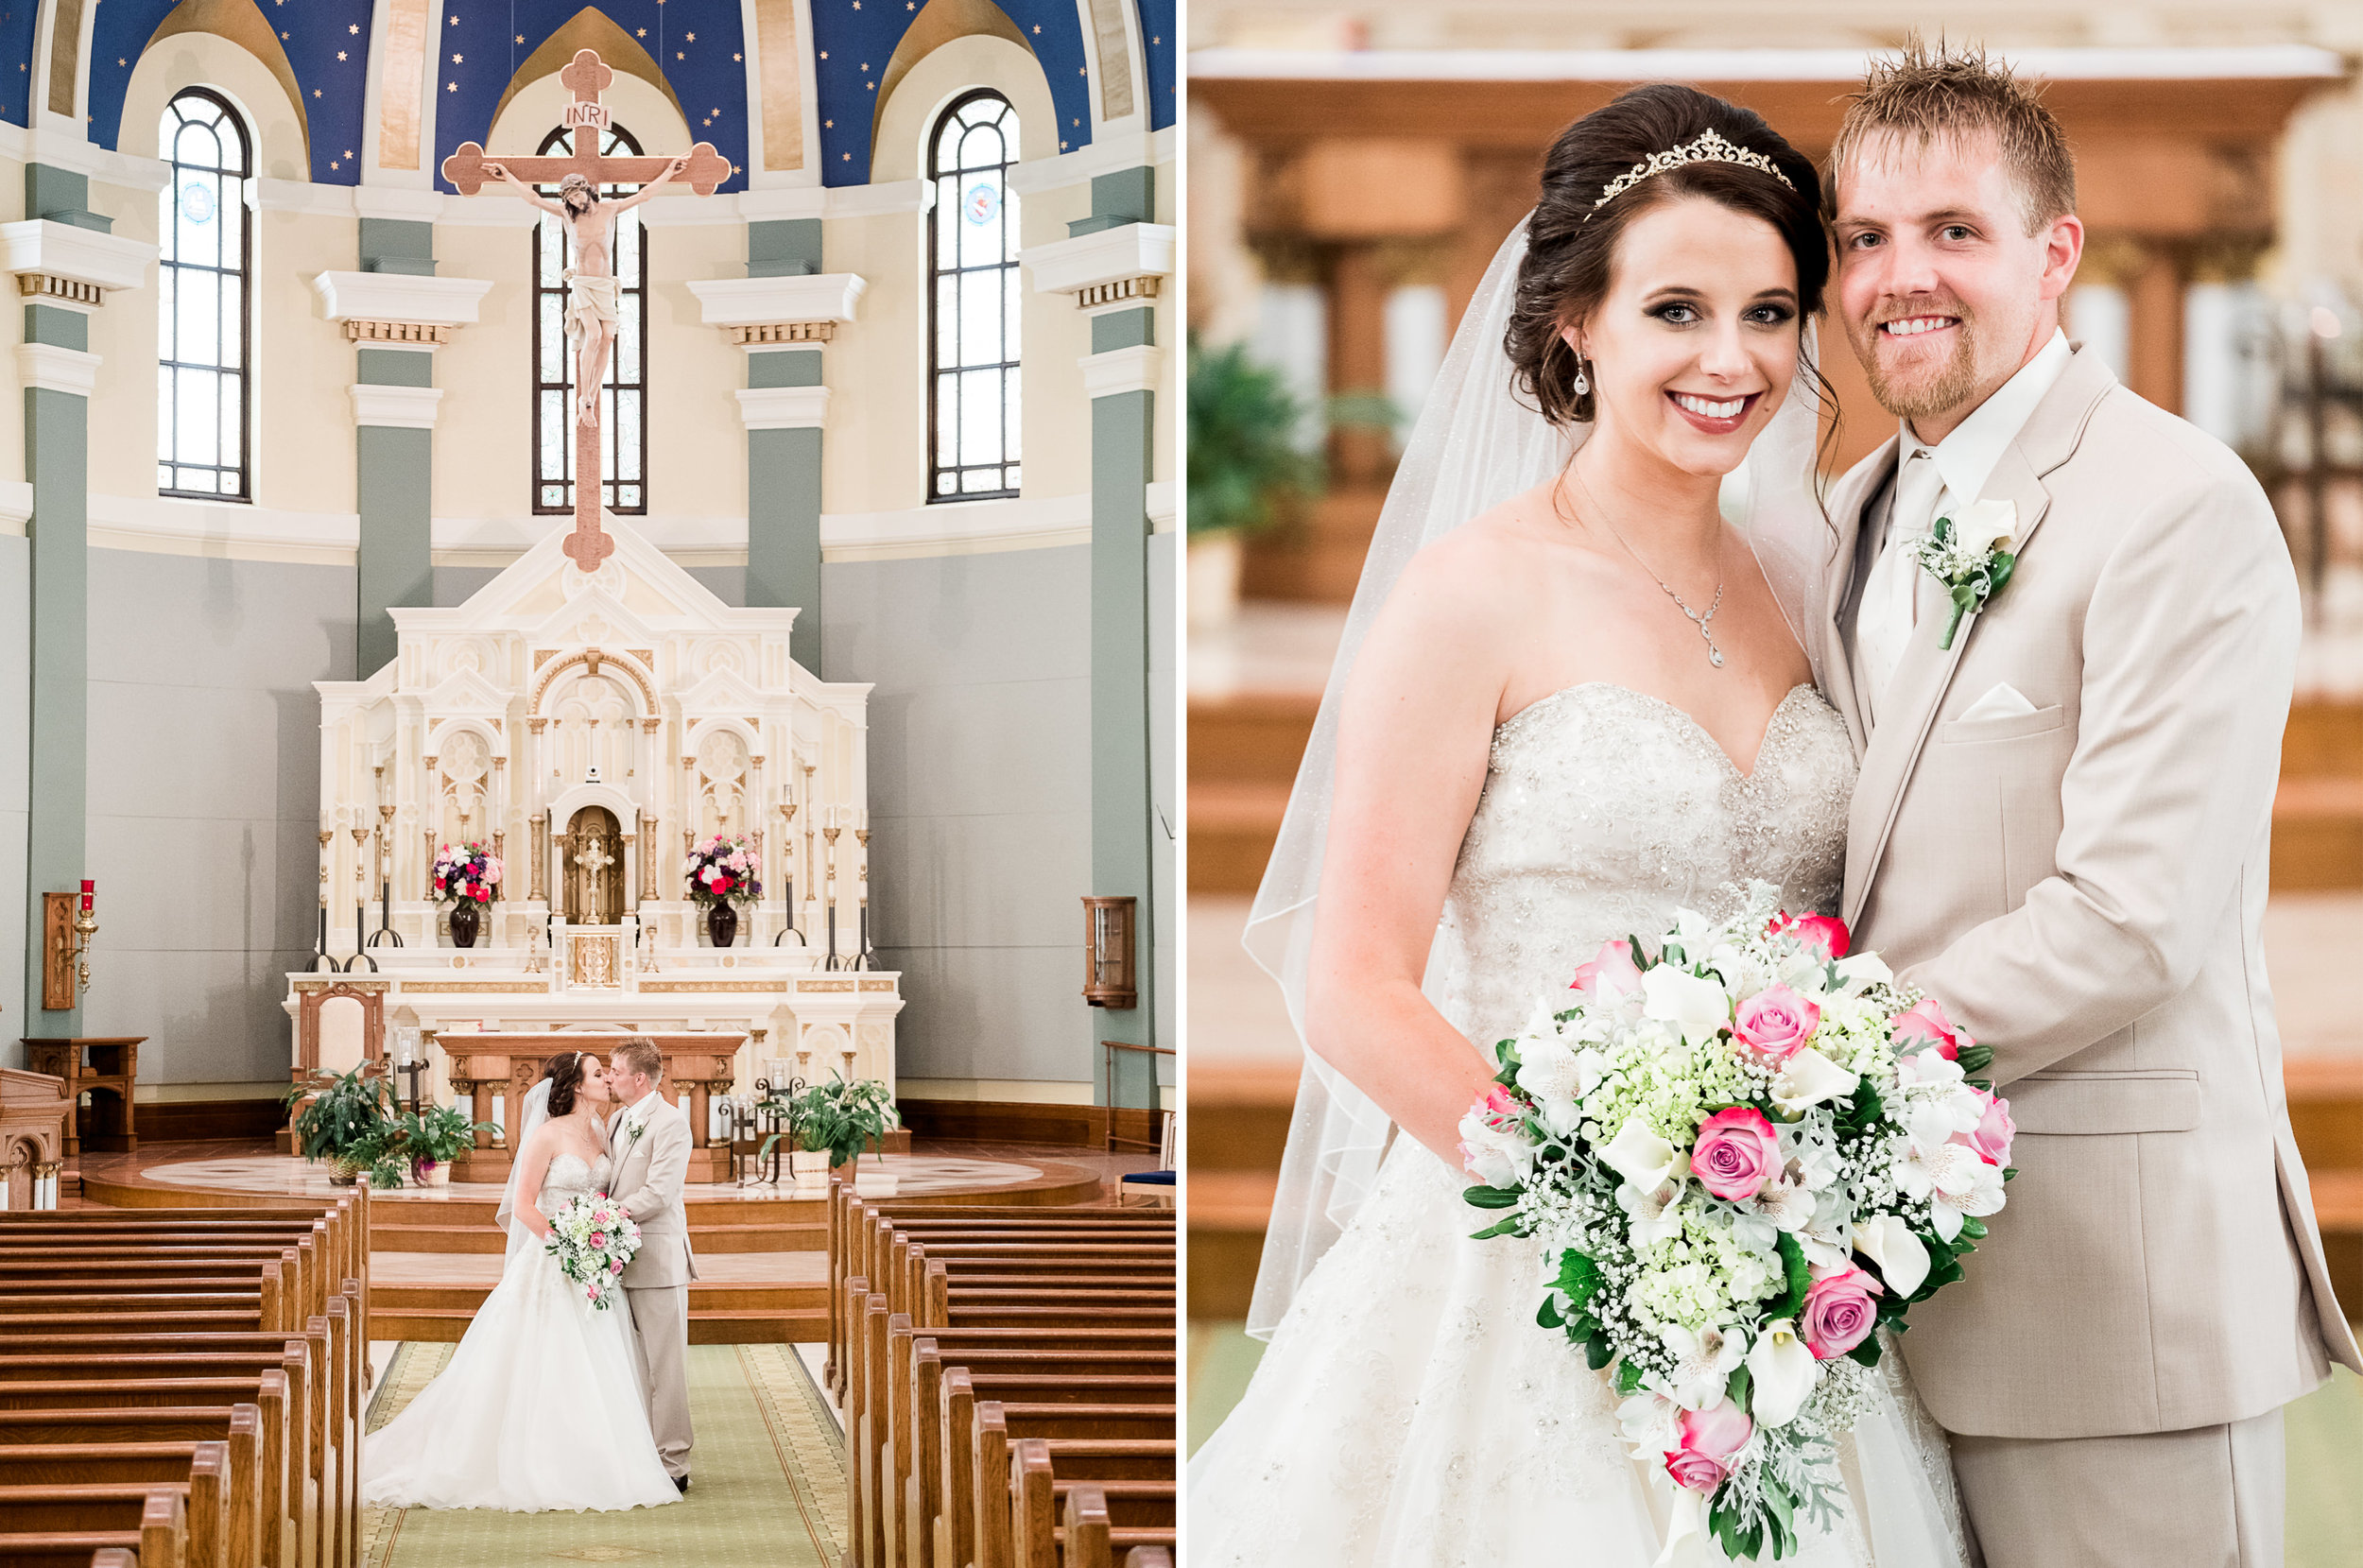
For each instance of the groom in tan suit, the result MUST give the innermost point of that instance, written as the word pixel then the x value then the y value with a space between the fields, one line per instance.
pixel 2061 833
pixel 650 1140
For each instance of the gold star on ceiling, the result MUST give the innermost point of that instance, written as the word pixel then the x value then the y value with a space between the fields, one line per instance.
pixel 353 27
pixel 521 38
pixel 739 58
pixel 340 54
pixel 456 61
pixel 690 37
pixel 644 32
pixel 1037 26
pixel 830 125
pixel 451 86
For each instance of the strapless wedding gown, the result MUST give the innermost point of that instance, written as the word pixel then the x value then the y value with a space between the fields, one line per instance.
pixel 1410 1412
pixel 538 1408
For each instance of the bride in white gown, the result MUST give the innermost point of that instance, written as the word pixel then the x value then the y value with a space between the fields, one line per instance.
pixel 1582 706
pixel 539 1407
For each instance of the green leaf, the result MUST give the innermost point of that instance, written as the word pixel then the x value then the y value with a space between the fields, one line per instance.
pixel 1548 1318
pixel 1599 1353
pixel 1974 1228
pixel 1943 531
pixel 1490 1197
pixel 2004 564
pixel 1511 1226
pixel 1976 1059
pixel 1866 1353
pixel 1627 1377
pixel 2010 1173
pixel 1578 1276
pixel 1639 954
pixel 1741 1386
pixel 1800 1279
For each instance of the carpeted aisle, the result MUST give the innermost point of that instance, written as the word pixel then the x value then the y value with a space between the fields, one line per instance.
pixel 768 1493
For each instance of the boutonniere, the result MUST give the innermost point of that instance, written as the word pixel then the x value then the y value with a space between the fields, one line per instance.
pixel 631 1138
pixel 1970 556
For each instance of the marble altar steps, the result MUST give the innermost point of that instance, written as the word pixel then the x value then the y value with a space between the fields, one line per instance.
pixel 1243 752
pixel 716 1226
pixel 744 1298
pixel 2317 814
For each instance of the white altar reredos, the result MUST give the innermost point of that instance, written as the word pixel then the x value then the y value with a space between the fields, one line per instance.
pixel 591 726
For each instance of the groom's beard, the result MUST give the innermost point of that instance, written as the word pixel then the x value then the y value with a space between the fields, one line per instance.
pixel 1922 387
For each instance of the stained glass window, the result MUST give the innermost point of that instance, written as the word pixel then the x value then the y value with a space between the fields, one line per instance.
pixel 624 399
pixel 973 420
pixel 205 233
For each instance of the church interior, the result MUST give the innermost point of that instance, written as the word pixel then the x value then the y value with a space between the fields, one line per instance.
pixel 1352 172
pixel 362 756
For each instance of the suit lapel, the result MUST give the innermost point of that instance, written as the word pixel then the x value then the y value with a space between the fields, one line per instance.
pixel 1857 490
pixel 1925 674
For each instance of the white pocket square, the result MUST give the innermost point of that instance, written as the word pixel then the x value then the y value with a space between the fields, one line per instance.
pixel 2002 702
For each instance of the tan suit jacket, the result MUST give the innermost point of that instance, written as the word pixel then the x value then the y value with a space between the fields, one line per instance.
pixel 2082 888
pixel 649 1174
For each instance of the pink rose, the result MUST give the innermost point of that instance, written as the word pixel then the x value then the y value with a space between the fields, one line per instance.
pixel 1992 1137
pixel 1776 1021
pixel 1927 1024
pixel 1612 968
pixel 1838 1311
pixel 1823 934
pixel 1737 1153
pixel 598 1238
pixel 617 1266
pixel 1705 1441
pixel 601 1217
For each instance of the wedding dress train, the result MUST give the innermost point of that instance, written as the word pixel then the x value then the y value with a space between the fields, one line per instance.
pixel 1410 1412
pixel 539 1407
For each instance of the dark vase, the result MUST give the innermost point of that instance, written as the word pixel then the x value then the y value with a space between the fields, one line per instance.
pixel 465 917
pixel 722 925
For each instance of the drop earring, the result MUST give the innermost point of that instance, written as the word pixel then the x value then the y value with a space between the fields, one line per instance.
pixel 1583 382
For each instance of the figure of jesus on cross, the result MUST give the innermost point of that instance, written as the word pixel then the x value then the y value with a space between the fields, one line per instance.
pixel 590 285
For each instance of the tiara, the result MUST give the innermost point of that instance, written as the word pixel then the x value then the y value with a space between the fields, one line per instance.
pixel 1709 148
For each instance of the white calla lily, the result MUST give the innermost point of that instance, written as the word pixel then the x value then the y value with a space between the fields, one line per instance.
pixel 1984 525
pixel 1701 1008
pixel 1860 970
pixel 1807 1079
pixel 1901 1257
pixel 1783 1371
pixel 1703 1360
pixel 1642 1158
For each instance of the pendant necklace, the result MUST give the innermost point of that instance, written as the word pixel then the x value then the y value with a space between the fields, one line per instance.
pixel 1704 623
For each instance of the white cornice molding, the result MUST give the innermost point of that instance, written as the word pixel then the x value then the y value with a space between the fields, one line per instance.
pixel 400 297
pixel 783 407
pixel 1115 255
pixel 60 151
pixel 55 370
pixel 1164 509
pixel 303 196
pixel 410 204
pixel 160 525
pixel 958 527
pixel 16 506
pixel 1107 154
pixel 45 248
pixel 2170 63
pixel 401 407
pixel 762 301
pixel 1132 370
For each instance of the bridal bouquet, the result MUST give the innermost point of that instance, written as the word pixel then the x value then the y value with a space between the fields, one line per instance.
pixel 1747 1151
pixel 593 1239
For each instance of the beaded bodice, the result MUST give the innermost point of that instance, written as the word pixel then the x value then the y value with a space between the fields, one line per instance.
pixel 1604 811
pixel 570 1176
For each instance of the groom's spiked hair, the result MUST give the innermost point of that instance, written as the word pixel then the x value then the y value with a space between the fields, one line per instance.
pixel 641 1055
pixel 1925 94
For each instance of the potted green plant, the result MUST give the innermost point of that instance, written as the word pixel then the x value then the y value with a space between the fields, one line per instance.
pixel 1243 460
pixel 433 1138
pixel 344 1123
pixel 839 1119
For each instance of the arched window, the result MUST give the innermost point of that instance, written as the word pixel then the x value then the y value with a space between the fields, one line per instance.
pixel 624 404
pixel 973 422
pixel 203 306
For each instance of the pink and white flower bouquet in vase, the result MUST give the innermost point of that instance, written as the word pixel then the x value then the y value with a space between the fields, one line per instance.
pixel 593 1239
pixel 1747 1153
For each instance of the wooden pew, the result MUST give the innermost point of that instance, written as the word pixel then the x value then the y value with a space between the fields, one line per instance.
pixel 1018 1505
pixel 157 1537
pixel 222 1520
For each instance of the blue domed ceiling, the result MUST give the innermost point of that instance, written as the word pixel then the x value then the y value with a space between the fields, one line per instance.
pixel 699 45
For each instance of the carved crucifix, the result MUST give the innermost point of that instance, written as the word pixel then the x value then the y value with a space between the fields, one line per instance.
pixel 593 860
pixel 591 288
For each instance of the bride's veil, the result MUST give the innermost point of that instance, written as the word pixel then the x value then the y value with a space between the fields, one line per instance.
pixel 1475 445
pixel 532 1114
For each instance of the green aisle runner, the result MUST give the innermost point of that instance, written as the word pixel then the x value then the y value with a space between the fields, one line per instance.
pixel 769 1491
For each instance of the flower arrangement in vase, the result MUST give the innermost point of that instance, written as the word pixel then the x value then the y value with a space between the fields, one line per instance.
pixel 724 873
pixel 464 878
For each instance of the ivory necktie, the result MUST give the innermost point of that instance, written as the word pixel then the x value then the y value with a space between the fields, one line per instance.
pixel 1891 597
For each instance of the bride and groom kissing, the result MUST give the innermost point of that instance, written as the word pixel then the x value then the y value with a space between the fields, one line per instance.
pixel 548 1400
pixel 2006 700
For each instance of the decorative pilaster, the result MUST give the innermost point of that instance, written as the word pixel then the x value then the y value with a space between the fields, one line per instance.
pixel 781 314
pixel 65 265
pixel 1112 263
pixel 397 314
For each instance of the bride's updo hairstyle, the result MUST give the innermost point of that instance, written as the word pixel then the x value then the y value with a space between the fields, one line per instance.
pixel 565 1078
pixel 1572 237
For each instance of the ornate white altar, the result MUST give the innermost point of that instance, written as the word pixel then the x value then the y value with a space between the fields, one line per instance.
pixel 591 727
